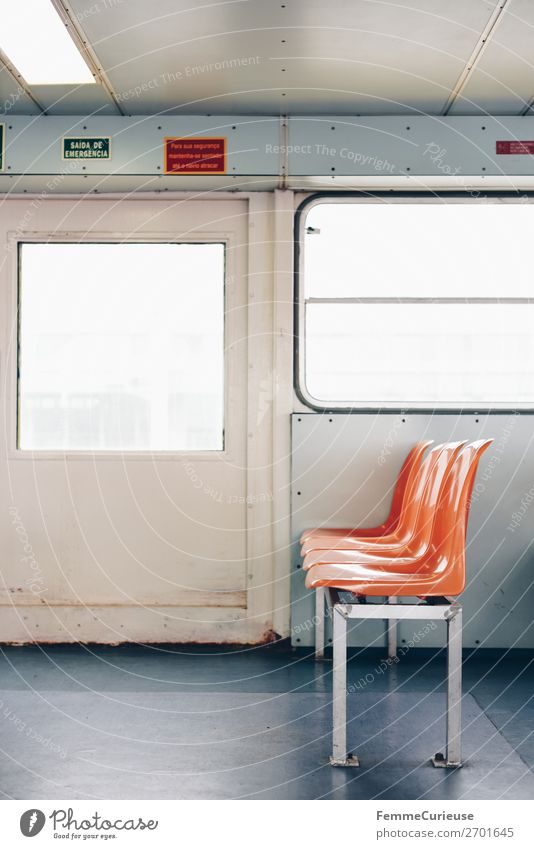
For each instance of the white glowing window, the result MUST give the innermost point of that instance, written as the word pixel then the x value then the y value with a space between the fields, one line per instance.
pixel 121 347
pixel 411 304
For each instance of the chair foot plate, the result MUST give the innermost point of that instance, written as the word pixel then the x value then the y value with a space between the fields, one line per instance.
pixel 350 760
pixel 439 761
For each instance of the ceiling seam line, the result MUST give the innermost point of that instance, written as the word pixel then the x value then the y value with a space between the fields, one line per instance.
pixel 476 54
pixel 19 80
pixel 82 42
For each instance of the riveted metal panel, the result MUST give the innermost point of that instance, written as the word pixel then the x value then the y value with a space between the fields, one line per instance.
pixel 344 470
pixel 34 145
pixel 389 147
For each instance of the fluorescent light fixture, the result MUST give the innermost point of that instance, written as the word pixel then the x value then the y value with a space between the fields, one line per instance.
pixel 37 42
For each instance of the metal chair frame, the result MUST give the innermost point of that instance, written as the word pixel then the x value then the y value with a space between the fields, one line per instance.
pixel 443 609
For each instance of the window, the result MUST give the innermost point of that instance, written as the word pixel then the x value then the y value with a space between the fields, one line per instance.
pixel 416 303
pixel 121 347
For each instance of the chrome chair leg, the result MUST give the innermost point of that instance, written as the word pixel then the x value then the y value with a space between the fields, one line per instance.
pixel 340 756
pixel 453 751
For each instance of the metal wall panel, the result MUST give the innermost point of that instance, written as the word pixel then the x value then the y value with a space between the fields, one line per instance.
pixel 389 147
pixel 33 145
pixel 344 468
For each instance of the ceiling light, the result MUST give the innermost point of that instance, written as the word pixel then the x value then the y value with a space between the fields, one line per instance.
pixel 37 42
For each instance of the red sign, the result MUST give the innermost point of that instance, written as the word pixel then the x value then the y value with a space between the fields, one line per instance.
pixel 517 148
pixel 195 156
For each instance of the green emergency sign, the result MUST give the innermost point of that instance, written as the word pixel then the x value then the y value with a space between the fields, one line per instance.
pixel 85 147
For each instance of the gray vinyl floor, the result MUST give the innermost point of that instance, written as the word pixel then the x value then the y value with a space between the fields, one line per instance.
pixel 175 722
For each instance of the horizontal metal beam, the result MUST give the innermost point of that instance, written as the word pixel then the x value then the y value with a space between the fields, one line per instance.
pixel 384 152
pixel 34 146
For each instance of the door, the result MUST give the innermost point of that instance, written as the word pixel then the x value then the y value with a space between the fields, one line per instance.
pixel 128 426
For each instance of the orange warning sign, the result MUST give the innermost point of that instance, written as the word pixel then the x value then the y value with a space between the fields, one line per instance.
pixel 199 155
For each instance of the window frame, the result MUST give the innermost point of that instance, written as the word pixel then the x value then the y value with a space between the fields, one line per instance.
pixel 299 301
pixel 15 243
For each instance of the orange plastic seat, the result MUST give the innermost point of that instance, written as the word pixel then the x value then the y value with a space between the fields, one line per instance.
pixel 411 537
pixel 408 470
pixel 440 571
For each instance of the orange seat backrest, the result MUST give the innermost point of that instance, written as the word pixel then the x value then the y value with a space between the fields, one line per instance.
pixel 415 491
pixel 407 473
pixel 425 515
pixel 447 554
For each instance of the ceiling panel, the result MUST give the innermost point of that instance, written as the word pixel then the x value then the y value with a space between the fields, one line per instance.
pixel 74 100
pixel 253 56
pixel 503 80
pixel 301 56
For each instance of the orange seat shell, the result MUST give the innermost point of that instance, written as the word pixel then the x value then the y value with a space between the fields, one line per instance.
pixel 440 571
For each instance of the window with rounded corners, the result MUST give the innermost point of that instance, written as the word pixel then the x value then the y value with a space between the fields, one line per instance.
pixel 415 302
